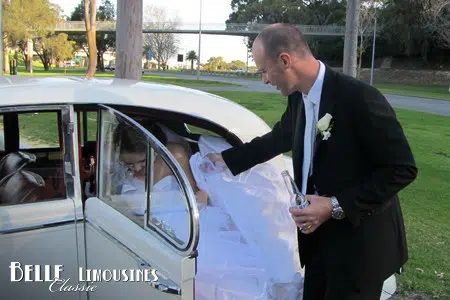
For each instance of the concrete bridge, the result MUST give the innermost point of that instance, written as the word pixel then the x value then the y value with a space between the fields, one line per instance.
pixel 207 28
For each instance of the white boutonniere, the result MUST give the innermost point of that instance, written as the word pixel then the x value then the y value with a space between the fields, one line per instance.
pixel 324 126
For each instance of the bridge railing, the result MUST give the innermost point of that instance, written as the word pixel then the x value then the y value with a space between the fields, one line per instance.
pixel 334 29
pixel 231 27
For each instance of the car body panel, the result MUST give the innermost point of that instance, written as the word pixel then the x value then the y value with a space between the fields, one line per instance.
pixel 106 228
pixel 234 117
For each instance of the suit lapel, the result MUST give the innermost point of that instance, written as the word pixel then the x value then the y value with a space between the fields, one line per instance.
pixel 327 101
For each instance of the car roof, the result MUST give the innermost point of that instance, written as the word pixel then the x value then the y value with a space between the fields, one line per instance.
pixel 35 90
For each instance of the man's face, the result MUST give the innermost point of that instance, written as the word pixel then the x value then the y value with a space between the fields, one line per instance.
pixel 274 71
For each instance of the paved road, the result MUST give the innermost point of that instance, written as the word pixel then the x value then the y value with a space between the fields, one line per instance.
pixel 435 106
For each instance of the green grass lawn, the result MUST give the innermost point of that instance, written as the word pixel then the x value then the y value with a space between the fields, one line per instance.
pixel 39 71
pixel 425 202
pixel 426 91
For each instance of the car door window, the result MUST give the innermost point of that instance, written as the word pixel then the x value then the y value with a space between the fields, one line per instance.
pixel 38 130
pixel 40 134
pixel 35 170
pixel 88 124
pixel 141 179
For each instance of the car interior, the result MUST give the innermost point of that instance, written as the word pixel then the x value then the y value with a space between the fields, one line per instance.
pixel 179 128
pixel 34 172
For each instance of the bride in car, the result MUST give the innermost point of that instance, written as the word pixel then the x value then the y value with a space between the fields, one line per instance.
pixel 247 246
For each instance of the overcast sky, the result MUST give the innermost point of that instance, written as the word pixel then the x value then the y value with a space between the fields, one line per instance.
pixel 214 12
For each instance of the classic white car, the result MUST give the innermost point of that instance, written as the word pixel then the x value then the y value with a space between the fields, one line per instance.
pixel 58 181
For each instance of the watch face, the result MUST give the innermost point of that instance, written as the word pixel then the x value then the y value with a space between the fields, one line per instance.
pixel 338 214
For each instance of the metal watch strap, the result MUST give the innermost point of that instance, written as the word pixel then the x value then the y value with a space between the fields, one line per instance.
pixel 337 212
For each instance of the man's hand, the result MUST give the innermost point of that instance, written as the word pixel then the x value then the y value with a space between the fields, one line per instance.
pixel 310 218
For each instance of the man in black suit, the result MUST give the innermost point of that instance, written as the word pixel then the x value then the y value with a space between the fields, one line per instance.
pixel 351 158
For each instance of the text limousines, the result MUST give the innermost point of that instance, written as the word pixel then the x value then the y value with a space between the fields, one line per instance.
pixel 53 274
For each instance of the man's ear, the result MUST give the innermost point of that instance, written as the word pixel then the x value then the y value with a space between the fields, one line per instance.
pixel 285 60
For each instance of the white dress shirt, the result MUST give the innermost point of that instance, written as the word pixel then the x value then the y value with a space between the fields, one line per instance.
pixel 313 97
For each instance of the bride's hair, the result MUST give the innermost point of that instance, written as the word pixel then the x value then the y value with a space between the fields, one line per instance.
pixel 133 141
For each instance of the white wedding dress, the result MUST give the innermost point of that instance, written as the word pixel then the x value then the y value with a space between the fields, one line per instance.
pixel 248 241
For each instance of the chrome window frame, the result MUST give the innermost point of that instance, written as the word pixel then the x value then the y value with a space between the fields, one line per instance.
pixel 190 246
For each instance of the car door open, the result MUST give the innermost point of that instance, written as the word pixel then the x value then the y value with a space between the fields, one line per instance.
pixel 141 231
pixel 40 205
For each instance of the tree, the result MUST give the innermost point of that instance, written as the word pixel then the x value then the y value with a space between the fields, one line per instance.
pixel 436 18
pixel 129 39
pixel 316 12
pixel 366 22
pixel 442 27
pixel 53 48
pixel 351 37
pixel 35 20
pixel 216 63
pixel 191 55
pixel 90 13
pixel 21 24
pixel 80 39
pixel 104 40
pixel 163 45
pixel 236 65
pixel 408 29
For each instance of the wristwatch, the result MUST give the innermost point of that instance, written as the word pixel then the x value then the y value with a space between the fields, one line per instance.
pixel 337 212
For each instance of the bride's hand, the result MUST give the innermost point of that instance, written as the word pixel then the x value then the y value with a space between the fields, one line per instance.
pixel 214 163
pixel 216 159
pixel 202 198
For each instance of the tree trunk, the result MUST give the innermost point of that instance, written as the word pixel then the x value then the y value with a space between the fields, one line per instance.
pixel 351 37
pixel 129 39
pixel 360 54
pixel 45 61
pixel 6 59
pixel 90 13
pixel 192 64
pixel 424 51
pixel 99 61
pixel 30 55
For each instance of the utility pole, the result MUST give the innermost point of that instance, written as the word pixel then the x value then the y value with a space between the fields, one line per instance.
pixel 351 37
pixel 30 55
pixel 246 48
pixel 129 39
pixel 1 40
pixel 373 50
pixel 246 68
pixel 199 41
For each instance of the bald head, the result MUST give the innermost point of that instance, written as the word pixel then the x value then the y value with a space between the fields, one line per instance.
pixel 277 38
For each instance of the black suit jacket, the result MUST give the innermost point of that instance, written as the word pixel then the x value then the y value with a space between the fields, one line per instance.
pixel 364 164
